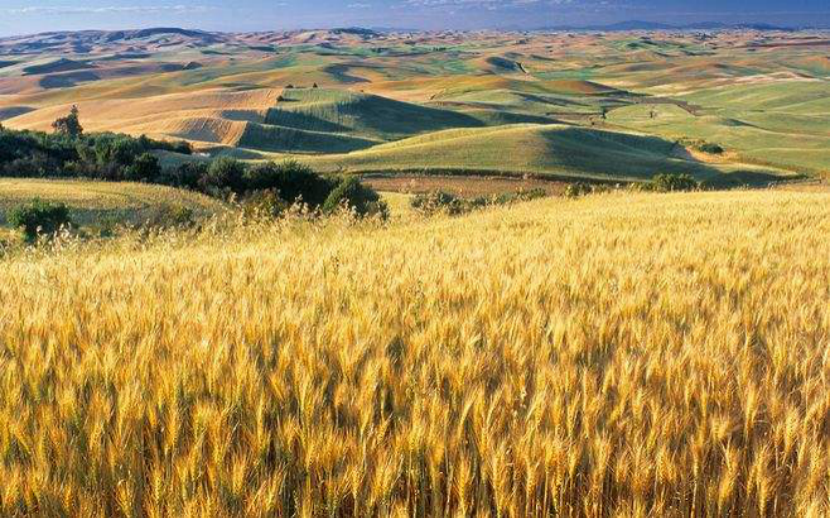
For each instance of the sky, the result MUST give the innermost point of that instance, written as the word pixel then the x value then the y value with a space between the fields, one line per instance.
pixel 31 16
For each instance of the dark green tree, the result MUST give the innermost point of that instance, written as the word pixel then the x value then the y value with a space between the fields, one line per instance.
pixel 69 125
pixel 144 168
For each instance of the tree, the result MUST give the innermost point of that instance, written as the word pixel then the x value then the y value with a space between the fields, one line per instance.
pixel 292 180
pixel 69 125
pixel 145 167
pixel 225 173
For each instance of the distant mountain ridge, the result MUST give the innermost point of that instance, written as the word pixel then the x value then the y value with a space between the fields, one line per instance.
pixel 641 25
pixel 154 38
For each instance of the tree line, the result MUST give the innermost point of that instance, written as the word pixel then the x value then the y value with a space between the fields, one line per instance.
pixel 69 152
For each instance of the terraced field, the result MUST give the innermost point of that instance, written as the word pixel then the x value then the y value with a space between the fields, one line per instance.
pixel 566 105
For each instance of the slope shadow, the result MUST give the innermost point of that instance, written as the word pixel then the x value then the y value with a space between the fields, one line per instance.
pixel 640 157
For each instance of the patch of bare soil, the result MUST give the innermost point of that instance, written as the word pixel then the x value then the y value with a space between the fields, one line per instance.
pixel 463 186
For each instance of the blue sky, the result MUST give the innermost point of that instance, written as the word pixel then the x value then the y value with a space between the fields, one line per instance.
pixel 27 16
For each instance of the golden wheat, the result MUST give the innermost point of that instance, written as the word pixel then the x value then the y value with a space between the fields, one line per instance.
pixel 624 354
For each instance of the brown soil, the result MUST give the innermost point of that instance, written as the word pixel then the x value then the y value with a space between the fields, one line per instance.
pixel 460 185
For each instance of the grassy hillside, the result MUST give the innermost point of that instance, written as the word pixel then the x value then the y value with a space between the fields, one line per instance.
pixel 779 123
pixel 362 114
pixel 763 97
pixel 558 150
pixel 95 203
pixel 618 355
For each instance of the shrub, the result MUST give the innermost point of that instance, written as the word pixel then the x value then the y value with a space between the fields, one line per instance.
pixel 145 167
pixel 39 217
pixel 292 180
pixel 171 215
pixel 264 204
pixel 354 195
pixel 224 173
pixel 74 154
pixel 518 196
pixel 438 202
pixel 711 148
pixel 186 175
pixel 578 189
pixel 673 182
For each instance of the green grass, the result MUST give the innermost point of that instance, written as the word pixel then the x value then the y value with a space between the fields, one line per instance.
pixel 555 150
pixel 768 107
pixel 364 115
pixel 272 138
pixel 782 124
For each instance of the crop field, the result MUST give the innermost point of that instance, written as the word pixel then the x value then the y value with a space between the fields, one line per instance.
pixel 620 354
pixel 365 273
pixel 614 106
pixel 95 203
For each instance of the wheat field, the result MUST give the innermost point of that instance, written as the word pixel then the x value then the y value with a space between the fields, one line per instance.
pixel 621 354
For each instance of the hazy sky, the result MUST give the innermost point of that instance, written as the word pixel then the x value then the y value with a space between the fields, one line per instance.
pixel 28 16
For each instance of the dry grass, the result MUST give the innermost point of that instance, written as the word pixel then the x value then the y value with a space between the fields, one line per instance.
pixel 97 202
pixel 617 355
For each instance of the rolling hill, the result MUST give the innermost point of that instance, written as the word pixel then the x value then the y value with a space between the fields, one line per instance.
pixel 560 104
pixel 554 150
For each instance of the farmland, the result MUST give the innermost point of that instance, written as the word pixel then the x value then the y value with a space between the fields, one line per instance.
pixel 621 354
pixel 356 273
pixel 614 106
pixel 96 203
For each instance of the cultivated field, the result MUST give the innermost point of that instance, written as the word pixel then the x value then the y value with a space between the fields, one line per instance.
pixel 616 106
pixel 199 345
pixel 97 203
pixel 620 354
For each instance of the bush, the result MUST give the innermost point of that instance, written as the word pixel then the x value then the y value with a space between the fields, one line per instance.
pixel 264 204
pixel 578 189
pixel 223 174
pixel 173 215
pixel 292 180
pixel 354 195
pixel 711 148
pixel 438 202
pixel 145 167
pixel 74 154
pixel 186 175
pixel 673 182
pixel 39 217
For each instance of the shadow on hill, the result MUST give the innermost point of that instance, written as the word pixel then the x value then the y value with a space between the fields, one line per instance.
pixel 302 121
pixel 281 139
pixel 746 178
pixel 67 80
pixel 14 111
pixel 341 71
pixel 366 115
pixel 639 157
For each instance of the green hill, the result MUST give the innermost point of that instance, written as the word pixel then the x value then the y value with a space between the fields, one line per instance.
pixel 273 138
pixel 364 115
pixel 784 124
pixel 556 150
